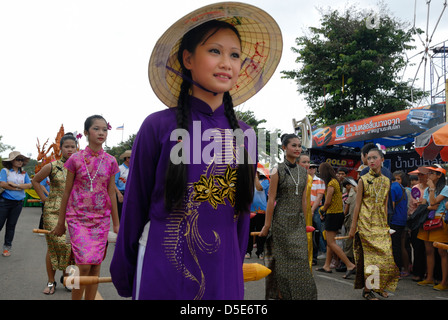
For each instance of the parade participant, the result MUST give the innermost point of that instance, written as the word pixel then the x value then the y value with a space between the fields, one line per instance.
pixel 436 196
pixel 334 219
pixel 89 203
pixel 121 178
pixel 304 161
pixel 58 256
pixel 372 242
pixel 14 180
pixel 384 171
pixel 197 203
pixel 286 252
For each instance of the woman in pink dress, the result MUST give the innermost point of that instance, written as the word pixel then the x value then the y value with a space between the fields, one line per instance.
pixel 88 204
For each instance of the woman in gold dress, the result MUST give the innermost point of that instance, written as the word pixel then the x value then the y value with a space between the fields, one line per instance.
pixel 376 269
pixel 58 255
pixel 304 161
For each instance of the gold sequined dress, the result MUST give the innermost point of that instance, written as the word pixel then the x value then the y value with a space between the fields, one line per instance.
pixel 286 248
pixel 375 264
pixel 58 249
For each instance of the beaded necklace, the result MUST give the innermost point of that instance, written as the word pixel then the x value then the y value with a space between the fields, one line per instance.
pixel 88 173
pixel 295 182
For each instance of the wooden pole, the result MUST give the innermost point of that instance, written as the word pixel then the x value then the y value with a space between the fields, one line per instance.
pixel 440 245
pixel 251 272
pixel 41 231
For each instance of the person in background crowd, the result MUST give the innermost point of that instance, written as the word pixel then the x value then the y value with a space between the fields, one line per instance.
pixel 14 180
pixel 341 173
pixel 398 221
pixel 304 161
pixel 317 193
pixel 413 180
pixel 334 219
pixel 436 196
pixel 121 178
pixel 350 202
pixel 258 210
pixel 418 245
pixel 359 170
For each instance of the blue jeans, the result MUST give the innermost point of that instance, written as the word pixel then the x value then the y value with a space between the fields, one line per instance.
pixel 9 213
pixel 319 239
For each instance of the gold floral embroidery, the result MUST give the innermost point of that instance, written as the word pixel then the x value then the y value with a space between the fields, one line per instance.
pixel 228 184
pixel 206 190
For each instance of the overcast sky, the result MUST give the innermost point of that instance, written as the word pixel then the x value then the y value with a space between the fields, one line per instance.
pixel 62 61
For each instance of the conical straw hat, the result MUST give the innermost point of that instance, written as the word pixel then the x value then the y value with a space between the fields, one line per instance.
pixel 261 50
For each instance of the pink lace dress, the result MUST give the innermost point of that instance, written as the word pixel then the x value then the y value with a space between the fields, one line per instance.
pixel 89 205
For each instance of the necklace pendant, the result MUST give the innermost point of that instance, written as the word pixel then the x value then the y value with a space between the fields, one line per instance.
pixel 297 189
pixel 91 187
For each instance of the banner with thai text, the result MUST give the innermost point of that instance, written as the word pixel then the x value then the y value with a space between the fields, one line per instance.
pixel 403 123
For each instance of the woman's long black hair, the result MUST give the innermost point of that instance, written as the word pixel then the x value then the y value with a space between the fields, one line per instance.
pixel 176 176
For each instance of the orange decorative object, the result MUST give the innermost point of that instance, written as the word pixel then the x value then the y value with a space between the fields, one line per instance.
pixel 254 271
pixel 43 156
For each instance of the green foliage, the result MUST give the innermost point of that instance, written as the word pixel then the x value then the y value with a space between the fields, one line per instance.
pixel 348 71
pixel 249 118
pixel 122 147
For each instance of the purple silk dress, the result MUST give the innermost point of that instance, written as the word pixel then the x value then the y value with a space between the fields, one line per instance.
pixel 196 252
pixel 88 210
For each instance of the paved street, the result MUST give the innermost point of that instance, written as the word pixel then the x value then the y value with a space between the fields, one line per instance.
pixel 23 274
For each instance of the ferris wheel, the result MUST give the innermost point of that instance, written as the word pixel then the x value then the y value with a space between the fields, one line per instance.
pixel 432 56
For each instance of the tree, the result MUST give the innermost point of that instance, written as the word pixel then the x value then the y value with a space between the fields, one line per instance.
pixel 350 70
pixel 249 118
pixel 122 147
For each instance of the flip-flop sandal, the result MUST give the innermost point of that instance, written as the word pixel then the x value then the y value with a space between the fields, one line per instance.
pixel 349 273
pixel 323 270
pixel 51 288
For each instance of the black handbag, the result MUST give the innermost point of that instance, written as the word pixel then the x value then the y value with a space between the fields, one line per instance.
pixel 418 217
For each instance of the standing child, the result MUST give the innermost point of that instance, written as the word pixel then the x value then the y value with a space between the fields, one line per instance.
pixel 89 202
pixel 58 256
pixel 212 59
